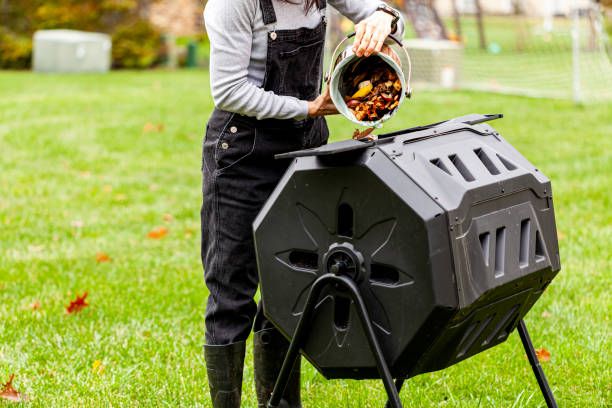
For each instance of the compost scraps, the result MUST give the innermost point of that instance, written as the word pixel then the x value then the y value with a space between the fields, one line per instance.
pixel 372 89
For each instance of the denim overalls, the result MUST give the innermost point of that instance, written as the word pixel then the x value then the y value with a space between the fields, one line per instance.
pixel 240 172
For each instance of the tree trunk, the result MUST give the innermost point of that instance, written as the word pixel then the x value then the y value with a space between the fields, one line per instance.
pixel 481 30
pixel 457 19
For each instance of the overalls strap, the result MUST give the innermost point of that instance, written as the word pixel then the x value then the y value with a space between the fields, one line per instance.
pixel 267 9
pixel 269 15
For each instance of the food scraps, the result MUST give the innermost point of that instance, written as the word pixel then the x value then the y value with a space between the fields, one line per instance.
pixel 372 89
pixel 365 135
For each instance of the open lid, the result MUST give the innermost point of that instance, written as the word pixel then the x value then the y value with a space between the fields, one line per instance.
pixel 354 146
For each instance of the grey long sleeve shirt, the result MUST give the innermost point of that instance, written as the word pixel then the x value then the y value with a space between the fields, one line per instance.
pixel 238 49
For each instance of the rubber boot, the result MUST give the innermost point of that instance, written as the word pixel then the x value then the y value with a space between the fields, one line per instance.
pixel 224 368
pixel 269 349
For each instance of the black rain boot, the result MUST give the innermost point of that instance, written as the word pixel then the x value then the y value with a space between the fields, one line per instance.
pixel 224 368
pixel 269 349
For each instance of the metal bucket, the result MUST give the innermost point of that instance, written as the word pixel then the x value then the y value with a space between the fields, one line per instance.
pixel 344 60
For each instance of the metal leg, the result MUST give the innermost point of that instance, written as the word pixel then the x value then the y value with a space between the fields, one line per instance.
pixel 535 365
pixel 383 368
pixel 296 342
pixel 399 383
pixel 301 332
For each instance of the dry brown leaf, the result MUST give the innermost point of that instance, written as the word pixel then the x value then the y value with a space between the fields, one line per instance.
pixel 543 354
pixel 546 314
pixel 107 188
pixel 102 257
pixel 8 392
pixel 77 305
pixel 35 305
pixel 168 217
pixel 158 232
pixel 152 127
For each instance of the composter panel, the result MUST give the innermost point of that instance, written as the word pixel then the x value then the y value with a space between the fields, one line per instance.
pixel 317 206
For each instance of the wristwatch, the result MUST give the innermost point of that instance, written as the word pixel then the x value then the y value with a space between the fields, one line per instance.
pixel 393 12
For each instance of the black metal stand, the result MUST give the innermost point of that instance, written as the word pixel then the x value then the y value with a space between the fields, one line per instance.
pixel 533 360
pixel 301 331
pixel 393 389
pixel 535 365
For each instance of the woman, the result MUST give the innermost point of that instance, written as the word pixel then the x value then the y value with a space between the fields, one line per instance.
pixel 265 73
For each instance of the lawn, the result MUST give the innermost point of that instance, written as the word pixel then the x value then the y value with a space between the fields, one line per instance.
pixel 91 164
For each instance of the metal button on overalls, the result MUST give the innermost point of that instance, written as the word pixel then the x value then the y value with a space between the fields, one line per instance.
pixel 240 172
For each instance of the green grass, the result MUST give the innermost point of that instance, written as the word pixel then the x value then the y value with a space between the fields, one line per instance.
pixel 73 151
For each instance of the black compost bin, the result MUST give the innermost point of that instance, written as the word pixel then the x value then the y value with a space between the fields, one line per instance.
pixel 447 231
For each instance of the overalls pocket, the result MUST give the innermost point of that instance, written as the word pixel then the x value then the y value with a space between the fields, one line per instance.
pixel 236 142
pixel 305 64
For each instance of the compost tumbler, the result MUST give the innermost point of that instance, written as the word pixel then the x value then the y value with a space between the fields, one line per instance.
pixel 445 233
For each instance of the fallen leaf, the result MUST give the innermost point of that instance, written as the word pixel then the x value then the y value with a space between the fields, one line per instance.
pixel 560 235
pixel 107 188
pixel 158 232
pixel 546 314
pixel 543 354
pixel 85 174
pixel 102 257
pixel 120 197
pixel 77 305
pixel 9 393
pixel 77 224
pixel 168 217
pixel 152 127
pixel 97 367
pixel 35 305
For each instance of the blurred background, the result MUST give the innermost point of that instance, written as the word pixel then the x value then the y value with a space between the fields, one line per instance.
pixel 103 108
pixel 542 48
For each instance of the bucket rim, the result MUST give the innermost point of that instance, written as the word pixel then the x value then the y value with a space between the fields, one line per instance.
pixel 341 104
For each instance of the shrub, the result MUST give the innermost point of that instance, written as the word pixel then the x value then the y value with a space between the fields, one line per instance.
pixel 136 42
pixel 136 45
pixel 15 51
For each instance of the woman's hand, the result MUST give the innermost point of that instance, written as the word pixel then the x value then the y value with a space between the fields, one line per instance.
pixel 322 106
pixel 371 33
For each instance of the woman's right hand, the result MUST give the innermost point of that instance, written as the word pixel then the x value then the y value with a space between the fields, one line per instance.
pixel 322 106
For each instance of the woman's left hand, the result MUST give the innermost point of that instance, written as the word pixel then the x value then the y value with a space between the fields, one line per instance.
pixel 371 33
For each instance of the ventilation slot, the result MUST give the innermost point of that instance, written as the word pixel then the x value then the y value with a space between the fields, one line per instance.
pixel 512 323
pixel 524 246
pixel 501 329
pixel 507 163
pixel 500 251
pixel 539 249
pixel 473 336
pixel 486 161
pixel 438 163
pixel 485 242
pixel 381 273
pixel 342 310
pixel 345 220
pixel 304 259
pixel 460 166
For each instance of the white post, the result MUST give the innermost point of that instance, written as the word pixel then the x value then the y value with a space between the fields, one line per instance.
pixel 576 88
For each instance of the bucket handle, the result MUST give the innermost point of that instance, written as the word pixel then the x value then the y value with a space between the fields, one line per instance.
pixel 394 38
